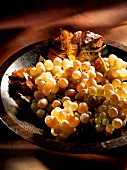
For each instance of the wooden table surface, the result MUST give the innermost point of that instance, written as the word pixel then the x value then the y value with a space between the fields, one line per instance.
pixel 25 22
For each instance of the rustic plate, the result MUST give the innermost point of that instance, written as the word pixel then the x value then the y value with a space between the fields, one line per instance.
pixel 27 126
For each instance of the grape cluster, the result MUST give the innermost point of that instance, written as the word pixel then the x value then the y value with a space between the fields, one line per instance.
pixel 70 93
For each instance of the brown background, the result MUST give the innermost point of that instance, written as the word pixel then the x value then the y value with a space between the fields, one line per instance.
pixel 25 22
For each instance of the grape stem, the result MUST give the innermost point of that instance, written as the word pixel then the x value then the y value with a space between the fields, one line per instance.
pixel 99 55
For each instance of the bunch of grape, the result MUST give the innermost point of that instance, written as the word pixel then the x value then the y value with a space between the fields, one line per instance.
pixel 70 93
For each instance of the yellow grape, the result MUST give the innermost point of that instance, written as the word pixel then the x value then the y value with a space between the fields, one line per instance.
pixel 63 82
pixel 57 61
pixel 40 67
pixel 122 92
pixel 91 82
pixel 111 59
pixel 85 66
pixel 92 90
pixel 76 75
pixel 51 121
pixel 48 65
pixel 83 107
pixel 55 111
pixel 116 83
pixel 67 103
pixel 76 64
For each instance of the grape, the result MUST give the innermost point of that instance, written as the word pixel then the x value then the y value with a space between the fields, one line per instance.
pixel 123 72
pixel 49 108
pixel 68 110
pixel 50 83
pixel 56 103
pixel 64 125
pixel 117 123
pixel 33 71
pixel 76 75
pixel 102 115
pixel 85 118
pixel 40 67
pixel 111 59
pixel 57 61
pixel 122 92
pixel 124 85
pixel 46 90
pixel 34 101
pixel 40 83
pixel 61 115
pixel 85 66
pixel 79 96
pixel 102 108
pixel 66 61
pixel 38 95
pixel 51 121
pixel 100 90
pixel 109 128
pixel 63 82
pixel 57 129
pixel 123 103
pixel 91 82
pixel 67 103
pixel 84 81
pixel 91 73
pixel 70 93
pixel 92 90
pixel 115 73
pixel 92 101
pixel 65 98
pixel 37 79
pixel 108 86
pixel 56 69
pixel 106 102
pixel 84 75
pixel 105 122
pixel 55 89
pixel 99 128
pixel 76 114
pixel 34 107
pixel 51 97
pixel 75 122
pixel 113 112
pixel 116 83
pixel 53 132
pixel 84 93
pixel 99 77
pixel 42 103
pixel 80 87
pixel 48 65
pixel 76 64
pixel 97 120
pixel 46 75
pixel 83 107
pixel 69 71
pixel 40 113
pixel 108 93
pixel 55 111
pixel 114 99
pixel 74 106
pixel 118 64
